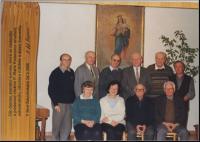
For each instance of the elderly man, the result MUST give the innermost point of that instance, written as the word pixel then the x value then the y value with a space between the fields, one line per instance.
pixel 170 113
pixel 159 73
pixel 110 73
pixel 87 72
pixel 133 75
pixel 184 86
pixel 139 114
pixel 61 92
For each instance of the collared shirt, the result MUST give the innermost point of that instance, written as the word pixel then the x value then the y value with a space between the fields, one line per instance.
pixel 63 70
pixel 82 97
pixel 111 68
pixel 179 81
pixel 170 97
pixel 159 68
pixel 136 71
pixel 88 66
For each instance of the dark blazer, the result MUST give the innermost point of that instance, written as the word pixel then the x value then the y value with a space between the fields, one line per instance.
pixel 160 109
pixel 139 112
pixel 129 81
pixel 83 74
pixel 105 77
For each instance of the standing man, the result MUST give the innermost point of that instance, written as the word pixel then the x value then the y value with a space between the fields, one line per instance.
pixel 110 73
pixel 61 92
pixel 159 73
pixel 133 75
pixel 184 86
pixel 170 113
pixel 87 72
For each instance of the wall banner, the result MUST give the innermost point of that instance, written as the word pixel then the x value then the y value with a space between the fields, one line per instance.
pixel 19 45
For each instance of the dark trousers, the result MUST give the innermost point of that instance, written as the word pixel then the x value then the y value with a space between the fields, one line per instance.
pixel 82 132
pixel 113 133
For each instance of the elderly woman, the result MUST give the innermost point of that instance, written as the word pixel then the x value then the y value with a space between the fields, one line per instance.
pixel 86 113
pixel 113 112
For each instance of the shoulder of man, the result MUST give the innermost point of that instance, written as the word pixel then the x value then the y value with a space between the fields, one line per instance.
pixel 151 67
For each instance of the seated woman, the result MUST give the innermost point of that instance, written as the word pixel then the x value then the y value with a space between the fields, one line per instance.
pixel 86 113
pixel 113 112
pixel 139 115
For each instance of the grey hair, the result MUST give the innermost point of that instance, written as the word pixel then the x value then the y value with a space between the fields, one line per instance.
pixel 163 53
pixel 141 85
pixel 169 82
pixel 89 52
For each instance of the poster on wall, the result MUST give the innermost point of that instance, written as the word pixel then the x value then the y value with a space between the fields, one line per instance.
pixel 120 30
pixel 19 45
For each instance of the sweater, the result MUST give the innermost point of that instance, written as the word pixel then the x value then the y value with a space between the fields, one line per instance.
pixel 116 113
pixel 158 78
pixel 105 77
pixel 61 86
pixel 85 109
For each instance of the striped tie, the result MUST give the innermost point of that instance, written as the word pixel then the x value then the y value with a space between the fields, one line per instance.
pixel 137 75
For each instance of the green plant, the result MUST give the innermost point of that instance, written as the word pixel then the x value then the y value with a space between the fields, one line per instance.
pixel 178 49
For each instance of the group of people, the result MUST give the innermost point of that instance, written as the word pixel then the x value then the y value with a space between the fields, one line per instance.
pixel 151 101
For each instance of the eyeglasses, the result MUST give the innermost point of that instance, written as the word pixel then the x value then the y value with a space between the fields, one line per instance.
pixel 66 60
pixel 139 90
pixel 115 60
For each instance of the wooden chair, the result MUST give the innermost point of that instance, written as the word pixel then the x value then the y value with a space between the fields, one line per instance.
pixel 124 136
pixel 172 135
pixel 197 131
pixel 141 136
pixel 42 115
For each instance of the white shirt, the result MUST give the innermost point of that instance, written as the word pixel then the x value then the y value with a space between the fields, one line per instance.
pixel 136 71
pixel 88 66
pixel 111 68
pixel 85 98
pixel 156 67
pixel 116 113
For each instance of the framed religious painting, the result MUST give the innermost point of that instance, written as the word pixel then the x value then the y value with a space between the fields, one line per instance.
pixel 120 30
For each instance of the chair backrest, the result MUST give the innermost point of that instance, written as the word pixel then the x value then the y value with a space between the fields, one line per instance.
pixel 141 136
pixel 172 135
pixel 124 136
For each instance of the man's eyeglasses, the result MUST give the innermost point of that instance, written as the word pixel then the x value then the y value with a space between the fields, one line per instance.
pixel 115 60
pixel 139 90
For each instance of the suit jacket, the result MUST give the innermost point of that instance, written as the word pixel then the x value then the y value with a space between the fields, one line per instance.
pixel 129 80
pixel 161 107
pixel 83 74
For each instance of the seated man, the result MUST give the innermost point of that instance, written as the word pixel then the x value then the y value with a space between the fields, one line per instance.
pixel 170 114
pixel 86 114
pixel 139 114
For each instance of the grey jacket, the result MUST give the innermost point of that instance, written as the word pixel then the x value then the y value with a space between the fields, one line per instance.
pixel 129 81
pixel 83 74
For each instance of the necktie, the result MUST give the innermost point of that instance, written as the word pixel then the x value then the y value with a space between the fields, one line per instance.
pixel 92 72
pixel 137 75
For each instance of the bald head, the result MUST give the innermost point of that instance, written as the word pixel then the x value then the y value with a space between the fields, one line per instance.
pixel 140 90
pixel 136 59
pixel 90 57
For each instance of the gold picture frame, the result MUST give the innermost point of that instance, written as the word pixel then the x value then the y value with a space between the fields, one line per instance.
pixel 119 29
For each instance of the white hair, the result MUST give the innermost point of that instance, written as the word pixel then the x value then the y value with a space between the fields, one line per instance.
pixel 169 82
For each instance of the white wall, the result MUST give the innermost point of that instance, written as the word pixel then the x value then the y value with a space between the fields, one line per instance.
pixel 63 28
pixel 71 28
